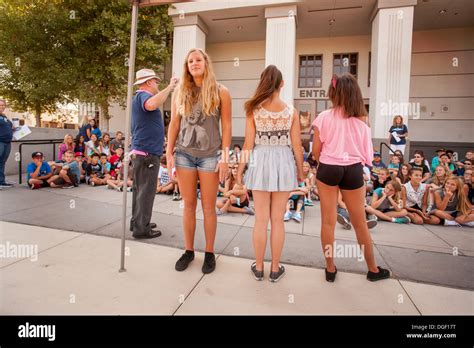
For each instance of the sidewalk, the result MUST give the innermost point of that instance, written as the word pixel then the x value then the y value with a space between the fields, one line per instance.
pixel 77 273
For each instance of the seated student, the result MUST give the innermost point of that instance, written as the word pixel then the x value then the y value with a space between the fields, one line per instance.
pixel 382 179
pixel 115 162
pixel 369 185
pixel 344 219
pixel 469 156
pixel 69 175
pixel 377 164
pixel 419 162
pixel 236 198
pixel 117 183
pixel 468 181
pixel 80 145
pixel 446 162
pixel 435 183
pixel 435 160
pixel 38 172
pixel 400 156
pixel 402 176
pixel 452 204
pixel 105 165
pixel 415 196
pixel 78 156
pixel 308 181
pixel 93 146
pixel 94 172
pixel 467 164
pixel 176 192
pixel 296 203
pixel 394 166
pixel 117 142
pixel 165 183
pixel 314 189
pixel 387 205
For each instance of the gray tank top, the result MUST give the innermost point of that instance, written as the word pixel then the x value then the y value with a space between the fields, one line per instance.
pixel 452 206
pixel 199 134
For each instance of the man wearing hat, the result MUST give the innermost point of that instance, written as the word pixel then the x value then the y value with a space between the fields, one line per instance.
pixel 148 133
pixel 38 172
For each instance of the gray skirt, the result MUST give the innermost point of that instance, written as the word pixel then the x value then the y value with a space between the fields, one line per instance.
pixel 272 168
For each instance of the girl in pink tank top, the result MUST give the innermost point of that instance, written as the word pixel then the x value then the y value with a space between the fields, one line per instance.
pixel 342 146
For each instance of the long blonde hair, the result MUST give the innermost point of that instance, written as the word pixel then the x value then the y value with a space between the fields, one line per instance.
pixel 463 205
pixel 65 141
pixel 187 95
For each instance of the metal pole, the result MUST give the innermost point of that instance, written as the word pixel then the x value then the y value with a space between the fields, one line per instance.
pixel 131 73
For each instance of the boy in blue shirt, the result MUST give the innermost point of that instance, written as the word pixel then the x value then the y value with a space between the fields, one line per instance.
pixel 38 172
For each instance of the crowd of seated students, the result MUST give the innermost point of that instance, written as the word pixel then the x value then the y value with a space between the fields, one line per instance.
pixel 419 191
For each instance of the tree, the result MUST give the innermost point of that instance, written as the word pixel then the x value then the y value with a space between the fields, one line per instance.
pixel 101 38
pixel 33 56
pixel 58 50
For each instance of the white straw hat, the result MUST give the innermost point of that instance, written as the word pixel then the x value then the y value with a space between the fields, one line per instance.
pixel 144 75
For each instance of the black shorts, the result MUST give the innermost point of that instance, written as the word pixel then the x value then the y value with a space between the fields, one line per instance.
pixel 346 177
pixel 242 204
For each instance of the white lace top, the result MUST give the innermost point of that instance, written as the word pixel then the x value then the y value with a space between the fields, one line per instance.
pixel 273 128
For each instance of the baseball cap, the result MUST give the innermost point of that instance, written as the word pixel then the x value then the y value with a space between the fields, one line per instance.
pixel 78 154
pixel 36 154
pixel 376 153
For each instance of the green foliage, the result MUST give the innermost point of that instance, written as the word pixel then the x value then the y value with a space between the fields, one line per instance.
pixel 56 50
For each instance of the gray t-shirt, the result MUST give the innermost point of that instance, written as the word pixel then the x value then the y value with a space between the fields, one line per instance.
pixel 199 134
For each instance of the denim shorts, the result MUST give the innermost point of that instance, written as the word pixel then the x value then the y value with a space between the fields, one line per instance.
pixel 204 164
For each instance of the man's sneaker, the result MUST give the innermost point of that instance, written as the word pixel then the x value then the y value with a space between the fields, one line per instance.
pixel 6 185
pixel 288 216
pixel 451 223
pixel 276 276
pixel 209 264
pixel 249 210
pixel 35 186
pixel 68 186
pixel 258 275
pixel 469 224
pixel 175 196
pixel 129 189
pixel 343 221
pixel 184 260
pixel 381 274
pixel 297 217
pixel 402 220
pixel 308 202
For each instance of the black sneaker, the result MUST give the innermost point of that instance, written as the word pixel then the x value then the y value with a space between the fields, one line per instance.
pixel 381 274
pixel 276 276
pixel 209 264
pixel 184 260
pixel 258 275
pixel 6 185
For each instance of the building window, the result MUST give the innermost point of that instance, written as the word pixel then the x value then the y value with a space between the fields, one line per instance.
pixel 345 62
pixel 310 71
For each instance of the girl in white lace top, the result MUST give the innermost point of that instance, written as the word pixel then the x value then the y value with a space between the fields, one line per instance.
pixel 272 131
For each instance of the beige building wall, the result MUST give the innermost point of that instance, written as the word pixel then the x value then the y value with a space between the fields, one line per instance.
pixel 445 92
pixel 238 66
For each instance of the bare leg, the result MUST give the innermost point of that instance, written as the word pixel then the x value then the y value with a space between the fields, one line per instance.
pixel 209 182
pixel 277 237
pixel 188 183
pixel 262 216
pixel 354 200
pixel 328 195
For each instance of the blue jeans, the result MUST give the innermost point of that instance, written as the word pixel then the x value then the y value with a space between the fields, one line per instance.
pixel 5 149
pixel 205 164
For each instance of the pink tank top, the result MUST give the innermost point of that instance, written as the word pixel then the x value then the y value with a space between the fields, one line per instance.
pixel 345 140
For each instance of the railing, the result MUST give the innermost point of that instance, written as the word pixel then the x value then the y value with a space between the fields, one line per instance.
pixel 34 142
pixel 387 146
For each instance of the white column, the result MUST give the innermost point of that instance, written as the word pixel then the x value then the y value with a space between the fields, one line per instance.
pixel 189 32
pixel 281 46
pixel 392 30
